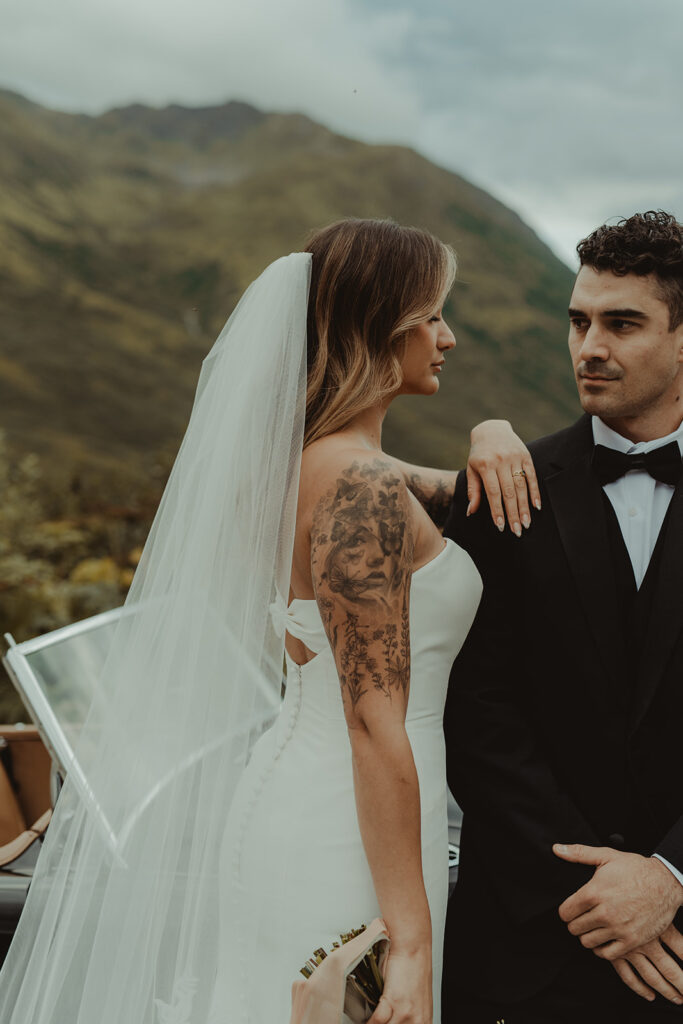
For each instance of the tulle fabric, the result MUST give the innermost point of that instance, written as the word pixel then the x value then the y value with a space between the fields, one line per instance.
pixel 121 922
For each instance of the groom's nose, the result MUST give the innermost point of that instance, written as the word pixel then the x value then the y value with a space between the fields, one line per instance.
pixel 594 347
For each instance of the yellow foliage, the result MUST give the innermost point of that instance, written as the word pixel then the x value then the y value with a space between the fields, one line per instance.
pixel 126 577
pixel 134 556
pixel 59 560
pixel 95 570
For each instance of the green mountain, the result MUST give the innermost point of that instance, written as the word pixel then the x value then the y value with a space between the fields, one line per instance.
pixel 127 239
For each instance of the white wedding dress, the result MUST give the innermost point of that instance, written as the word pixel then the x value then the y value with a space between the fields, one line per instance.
pixel 293 868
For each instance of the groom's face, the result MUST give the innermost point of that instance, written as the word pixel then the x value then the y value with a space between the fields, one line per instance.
pixel 627 362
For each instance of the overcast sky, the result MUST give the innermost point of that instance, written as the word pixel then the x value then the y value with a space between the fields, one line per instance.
pixel 568 112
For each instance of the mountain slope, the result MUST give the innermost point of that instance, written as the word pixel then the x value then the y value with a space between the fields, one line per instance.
pixel 127 239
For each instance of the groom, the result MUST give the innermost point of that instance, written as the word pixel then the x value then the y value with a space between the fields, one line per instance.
pixel 564 721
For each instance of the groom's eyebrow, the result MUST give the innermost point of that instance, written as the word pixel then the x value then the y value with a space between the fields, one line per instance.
pixel 623 314
pixel 631 314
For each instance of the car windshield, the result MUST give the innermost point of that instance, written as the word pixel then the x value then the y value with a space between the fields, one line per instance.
pixel 56 676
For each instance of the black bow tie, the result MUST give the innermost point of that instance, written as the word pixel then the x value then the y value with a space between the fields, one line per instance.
pixel 662 464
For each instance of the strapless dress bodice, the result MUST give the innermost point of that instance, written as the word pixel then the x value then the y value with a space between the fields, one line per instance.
pixel 444 596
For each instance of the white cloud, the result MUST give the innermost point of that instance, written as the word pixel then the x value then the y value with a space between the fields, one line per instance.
pixel 298 55
pixel 570 113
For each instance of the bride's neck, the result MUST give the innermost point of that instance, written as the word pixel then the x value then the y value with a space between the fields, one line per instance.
pixel 366 427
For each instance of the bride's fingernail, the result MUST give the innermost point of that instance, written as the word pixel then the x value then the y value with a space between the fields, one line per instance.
pixel 517 529
pixel 537 504
pixel 526 521
pixel 469 509
pixel 500 523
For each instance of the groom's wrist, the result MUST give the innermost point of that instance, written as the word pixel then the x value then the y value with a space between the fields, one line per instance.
pixel 675 873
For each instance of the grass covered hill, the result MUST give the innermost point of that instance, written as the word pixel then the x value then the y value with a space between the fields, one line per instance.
pixel 127 238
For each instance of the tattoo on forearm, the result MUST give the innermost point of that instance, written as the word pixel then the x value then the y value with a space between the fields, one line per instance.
pixel 435 496
pixel 361 556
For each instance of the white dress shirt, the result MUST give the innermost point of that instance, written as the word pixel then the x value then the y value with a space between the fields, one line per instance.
pixel 640 503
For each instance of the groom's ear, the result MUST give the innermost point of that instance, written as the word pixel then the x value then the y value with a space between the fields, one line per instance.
pixel 678 333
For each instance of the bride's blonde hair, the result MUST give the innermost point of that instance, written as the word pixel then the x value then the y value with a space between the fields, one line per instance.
pixel 372 281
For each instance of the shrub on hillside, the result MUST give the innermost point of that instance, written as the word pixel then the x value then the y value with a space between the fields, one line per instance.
pixel 63 556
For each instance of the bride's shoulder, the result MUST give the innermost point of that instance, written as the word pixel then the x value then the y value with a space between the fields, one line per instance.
pixel 334 462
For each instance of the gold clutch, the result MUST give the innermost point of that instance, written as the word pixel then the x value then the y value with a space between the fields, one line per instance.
pixel 342 987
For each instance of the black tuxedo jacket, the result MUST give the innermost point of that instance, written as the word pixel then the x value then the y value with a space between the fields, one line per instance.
pixel 562 725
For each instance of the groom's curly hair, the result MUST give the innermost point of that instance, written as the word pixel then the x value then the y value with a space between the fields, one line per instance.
pixel 646 243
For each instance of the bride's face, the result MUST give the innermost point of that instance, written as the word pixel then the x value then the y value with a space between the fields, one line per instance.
pixel 423 358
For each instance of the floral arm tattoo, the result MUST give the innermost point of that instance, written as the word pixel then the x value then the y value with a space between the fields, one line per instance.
pixel 434 491
pixel 361 560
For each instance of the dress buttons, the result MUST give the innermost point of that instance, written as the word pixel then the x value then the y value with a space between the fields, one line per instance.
pixel 633 511
pixel 616 841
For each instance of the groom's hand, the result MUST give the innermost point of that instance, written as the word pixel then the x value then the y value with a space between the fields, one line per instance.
pixel 629 901
pixel 650 968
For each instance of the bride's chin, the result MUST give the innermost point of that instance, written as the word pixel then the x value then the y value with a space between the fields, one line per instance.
pixel 422 387
pixel 428 389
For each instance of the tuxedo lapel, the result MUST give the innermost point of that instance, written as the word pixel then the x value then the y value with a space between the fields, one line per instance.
pixel 577 501
pixel 666 620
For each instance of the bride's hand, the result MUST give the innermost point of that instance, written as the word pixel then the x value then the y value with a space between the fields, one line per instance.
pixel 501 461
pixel 407 996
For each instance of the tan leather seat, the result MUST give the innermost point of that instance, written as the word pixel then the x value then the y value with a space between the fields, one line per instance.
pixel 10 851
pixel 12 821
pixel 25 810
pixel 31 769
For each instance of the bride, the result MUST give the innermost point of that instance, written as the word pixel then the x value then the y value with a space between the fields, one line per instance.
pixel 227 833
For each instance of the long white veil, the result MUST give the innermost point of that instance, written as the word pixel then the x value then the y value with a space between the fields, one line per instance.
pixel 121 922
